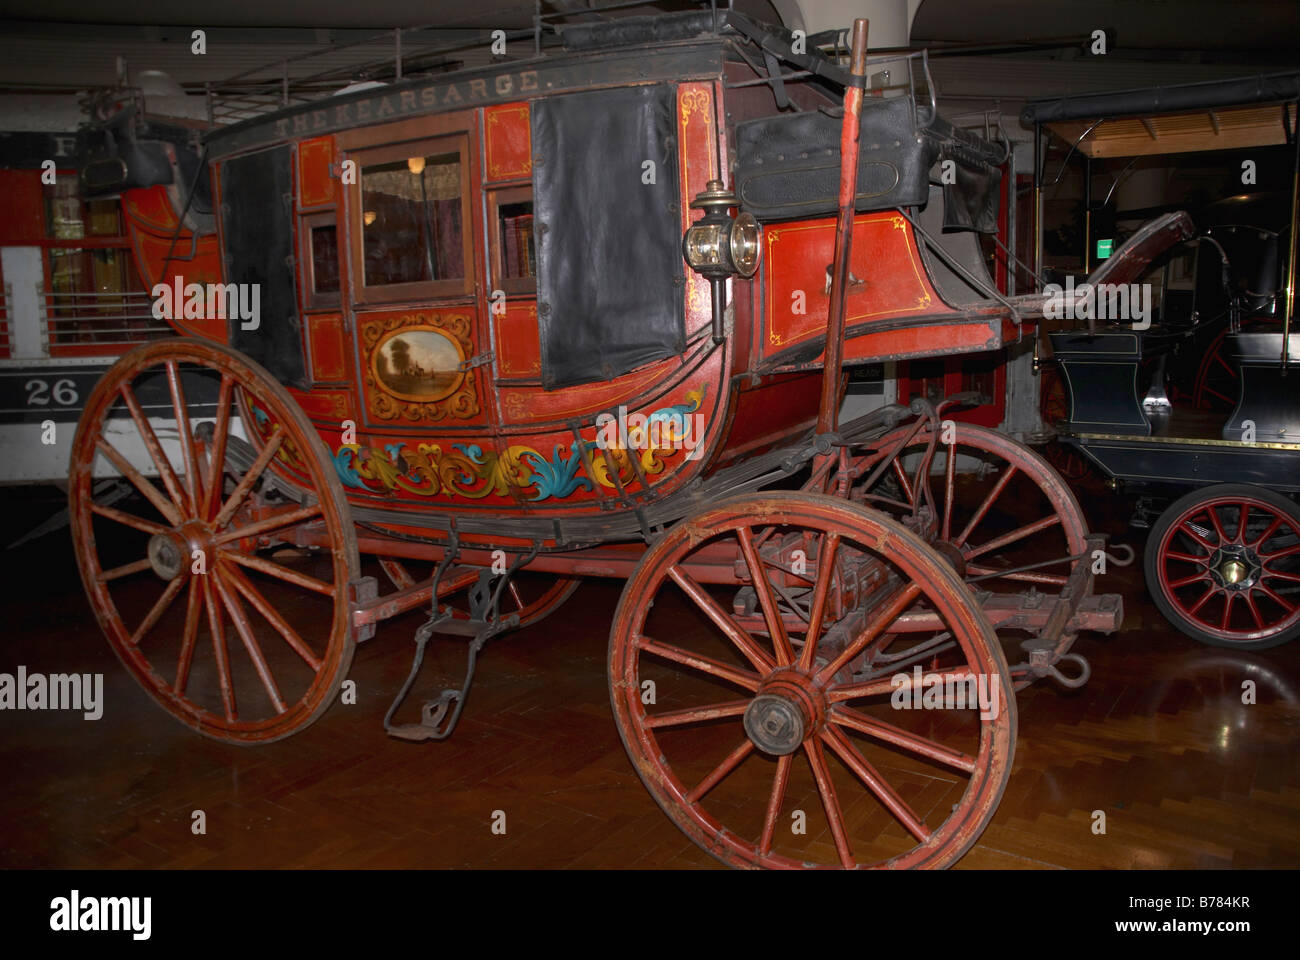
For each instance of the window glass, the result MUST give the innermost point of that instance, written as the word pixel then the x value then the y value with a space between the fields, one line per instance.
pixel 515 225
pixel 411 220
pixel 325 259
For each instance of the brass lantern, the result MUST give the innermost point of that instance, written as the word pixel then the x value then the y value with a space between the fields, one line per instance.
pixel 718 245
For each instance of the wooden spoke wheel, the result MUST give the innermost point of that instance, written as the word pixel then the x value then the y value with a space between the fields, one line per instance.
pixel 235 632
pixel 1054 405
pixel 1223 565
pixel 746 720
pixel 1218 382
pixel 532 596
pixel 988 504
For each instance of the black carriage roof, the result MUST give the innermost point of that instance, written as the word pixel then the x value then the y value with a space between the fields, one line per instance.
pixel 664 47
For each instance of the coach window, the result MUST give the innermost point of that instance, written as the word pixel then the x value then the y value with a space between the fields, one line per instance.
pixel 514 255
pixel 320 240
pixel 409 221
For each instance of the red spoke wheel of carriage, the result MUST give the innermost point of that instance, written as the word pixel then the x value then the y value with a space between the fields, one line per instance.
pixel 1223 565
pixel 742 714
pixel 993 506
pixel 218 618
pixel 531 596
pixel 1218 382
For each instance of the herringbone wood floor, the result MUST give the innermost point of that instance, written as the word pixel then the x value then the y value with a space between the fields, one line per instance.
pixel 1159 740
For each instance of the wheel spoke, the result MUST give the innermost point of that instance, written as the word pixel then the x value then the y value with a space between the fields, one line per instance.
pixel 1194 578
pixel 192 610
pixel 874 688
pixel 817 761
pixel 1279 575
pixel 774 803
pixel 1222 396
pixel 775 625
pixel 128 519
pixel 732 761
pixel 279 572
pixel 158 609
pixel 219 652
pixel 1209 592
pixel 949 487
pixel 1248 596
pixel 151 493
pixel 156 452
pixel 1020 533
pixel 274 522
pixel 1186 557
pixel 125 570
pixel 723 621
pixel 826 555
pixel 513 589
pixel 903 598
pixel 245 631
pixel 1227 610
pixel 715 711
pixel 1259 542
pixel 1186 528
pixel 911 742
pixel 1218 526
pixel 1277 554
pixel 251 594
pixel 878 785
pixel 1241 523
pixel 695 661
pixel 249 478
pixel 1268 592
pixel 220 434
pixel 1023 576
pixel 988 502
pixel 193 482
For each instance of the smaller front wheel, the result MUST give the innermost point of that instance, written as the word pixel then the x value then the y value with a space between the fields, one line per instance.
pixel 1223 565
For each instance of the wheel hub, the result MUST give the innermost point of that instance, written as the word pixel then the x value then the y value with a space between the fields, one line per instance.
pixel 166 556
pixel 788 709
pixel 952 553
pixel 170 553
pixel 1235 568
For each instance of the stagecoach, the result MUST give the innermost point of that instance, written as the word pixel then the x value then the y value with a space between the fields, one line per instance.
pixel 591 314
pixel 1198 413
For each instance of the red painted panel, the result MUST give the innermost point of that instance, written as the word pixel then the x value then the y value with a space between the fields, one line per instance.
pixel 329 359
pixel 532 404
pixel 151 222
pixel 925 341
pixel 699 163
pixel 518 347
pixel 22 208
pixel 331 407
pixel 509 142
pixel 884 258
pixel 762 415
pixel 943 376
pixel 315 184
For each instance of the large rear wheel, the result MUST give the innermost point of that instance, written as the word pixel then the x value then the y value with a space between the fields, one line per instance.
pixel 193 575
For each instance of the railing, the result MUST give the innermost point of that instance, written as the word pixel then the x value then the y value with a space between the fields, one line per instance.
pixel 89 323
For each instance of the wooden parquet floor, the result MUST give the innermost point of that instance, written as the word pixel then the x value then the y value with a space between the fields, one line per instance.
pixel 1159 741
